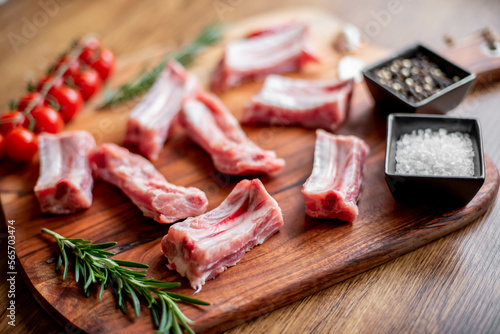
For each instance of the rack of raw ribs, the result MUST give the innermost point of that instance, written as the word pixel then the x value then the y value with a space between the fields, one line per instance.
pixel 204 244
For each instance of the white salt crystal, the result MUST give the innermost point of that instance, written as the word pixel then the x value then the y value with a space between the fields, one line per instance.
pixel 437 153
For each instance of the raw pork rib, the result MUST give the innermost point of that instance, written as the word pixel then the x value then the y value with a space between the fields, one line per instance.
pixel 145 186
pixel 65 182
pixel 214 128
pixel 334 185
pixel 313 104
pixel 202 247
pixel 150 121
pixel 275 50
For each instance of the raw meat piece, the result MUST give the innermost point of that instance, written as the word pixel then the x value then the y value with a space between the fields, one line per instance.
pixel 334 185
pixel 151 120
pixel 268 30
pixel 65 182
pixel 276 50
pixel 146 186
pixel 214 128
pixel 202 247
pixel 313 104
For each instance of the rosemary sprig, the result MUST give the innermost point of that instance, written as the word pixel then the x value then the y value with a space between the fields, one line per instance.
pixel 144 80
pixel 93 265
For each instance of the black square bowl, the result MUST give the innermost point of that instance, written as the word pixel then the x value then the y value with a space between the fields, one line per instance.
pixel 389 101
pixel 437 190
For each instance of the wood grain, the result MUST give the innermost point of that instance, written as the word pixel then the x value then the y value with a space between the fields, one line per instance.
pixel 450 285
pixel 313 254
pixel 472 53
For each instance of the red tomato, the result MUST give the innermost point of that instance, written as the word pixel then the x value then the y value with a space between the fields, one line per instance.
pixel 91 50
pixel 73 66
pixel 21 144
pixel 2 145
pixel 88 81
pixel 47 120
pixel 58 83
pixel 105 63
pixel 69 99
pixel 11 120
pixel 27 98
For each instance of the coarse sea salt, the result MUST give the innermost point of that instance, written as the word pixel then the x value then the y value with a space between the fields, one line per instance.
pixel 436 153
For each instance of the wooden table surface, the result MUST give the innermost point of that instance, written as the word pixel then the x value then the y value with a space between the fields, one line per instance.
pixel 449 286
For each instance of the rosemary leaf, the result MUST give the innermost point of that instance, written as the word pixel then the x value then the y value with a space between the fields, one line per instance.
pixel 154 313
pixel 180 316
pixel 163 285
pixel 176 328
pixel 163 319
pixel 135 300
pixel 104 282
pixel 101 290
pixel 187 299
pixel 101 253
pixel 90 278
pixel 130 264
pixel 100 246
pixel 169 322
pixel 98 274
pixel 59 262
pixel 143 82
pixel 79 240
pixel 65 257
pixel 83 268
pixel 92 265
pixel 77 269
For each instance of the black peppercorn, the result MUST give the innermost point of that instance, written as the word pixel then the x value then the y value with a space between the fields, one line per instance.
pixel 415 78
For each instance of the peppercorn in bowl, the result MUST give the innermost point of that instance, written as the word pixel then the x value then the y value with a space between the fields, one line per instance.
pixel 417 80
pixel 434 159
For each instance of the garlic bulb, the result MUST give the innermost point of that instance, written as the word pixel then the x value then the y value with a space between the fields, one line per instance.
pixel 348 39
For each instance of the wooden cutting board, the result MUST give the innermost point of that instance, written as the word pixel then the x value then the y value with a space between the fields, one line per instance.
pixel 307 255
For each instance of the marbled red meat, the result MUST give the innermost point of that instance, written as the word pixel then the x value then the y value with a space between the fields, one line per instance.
pixel 334 186
pixel 65 182
pixel 202 247
pixel 152 119
pixel 209 124
pixel 310 103
pixel 275 50
pixel 145 185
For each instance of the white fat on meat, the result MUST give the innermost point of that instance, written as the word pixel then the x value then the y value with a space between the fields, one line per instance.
pixel 334 186
pixel 145 185
pixel 152 119
pixel 202 247
pixel 309 103
pixel 281 49
pixel 65 182
pixel 209 124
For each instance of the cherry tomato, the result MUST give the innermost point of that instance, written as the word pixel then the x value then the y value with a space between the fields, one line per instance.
pixel 11 120
pixel 88 81
pixel 27 98
pixel 105 63
pixel 91 50
pixel 2 145
pixel 58 83
pixel 73 66
pixel 69 99
pixel 47 120
pixel 21 144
